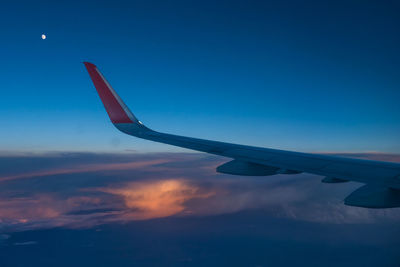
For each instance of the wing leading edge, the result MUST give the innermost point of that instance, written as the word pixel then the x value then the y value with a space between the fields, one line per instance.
pixel 382 179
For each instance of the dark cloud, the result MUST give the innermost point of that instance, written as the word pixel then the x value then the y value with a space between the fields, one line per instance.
pixel 27 243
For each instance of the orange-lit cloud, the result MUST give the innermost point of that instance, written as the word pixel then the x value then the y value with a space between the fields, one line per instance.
pixel 23 210
pixel 49 210
pixel 156 199
pixel 140 201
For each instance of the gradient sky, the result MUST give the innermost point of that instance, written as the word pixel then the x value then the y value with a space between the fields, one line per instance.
pixel 308 75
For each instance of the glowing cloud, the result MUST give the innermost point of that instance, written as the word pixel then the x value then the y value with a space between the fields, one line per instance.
pixel 156 199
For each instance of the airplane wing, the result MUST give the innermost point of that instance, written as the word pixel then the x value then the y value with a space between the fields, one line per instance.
pixel 381 179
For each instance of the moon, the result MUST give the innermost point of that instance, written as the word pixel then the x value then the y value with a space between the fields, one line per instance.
pixel 43 36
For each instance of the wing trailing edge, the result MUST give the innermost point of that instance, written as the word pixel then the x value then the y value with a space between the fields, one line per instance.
pixel 376 197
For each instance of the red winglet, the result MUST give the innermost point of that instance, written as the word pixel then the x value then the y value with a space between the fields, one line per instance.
pixel 114 106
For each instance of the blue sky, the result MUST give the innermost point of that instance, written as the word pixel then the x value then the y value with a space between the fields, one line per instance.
pixel 309 76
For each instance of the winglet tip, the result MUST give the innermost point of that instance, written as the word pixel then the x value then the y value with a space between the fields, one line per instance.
pixel 89 65
pixel 115 107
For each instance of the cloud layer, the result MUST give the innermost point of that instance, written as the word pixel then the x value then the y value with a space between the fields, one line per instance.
pixel 84 190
